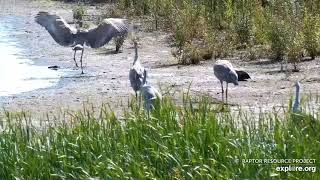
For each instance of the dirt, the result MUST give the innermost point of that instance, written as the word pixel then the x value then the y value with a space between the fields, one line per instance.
pixel 106 74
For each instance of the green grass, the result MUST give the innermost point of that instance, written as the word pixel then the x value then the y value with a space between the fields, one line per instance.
pixel 178 142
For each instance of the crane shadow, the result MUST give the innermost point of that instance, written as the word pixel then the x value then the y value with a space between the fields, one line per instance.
pixel 107 52
pixel 263 62
pixel 287 71
pixel 78 76
pixel 219 105
pixel 272 72
pixel 165 65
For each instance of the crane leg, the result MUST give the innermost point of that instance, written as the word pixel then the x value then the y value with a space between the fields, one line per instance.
pixel 148 107
pixel 140 100
pixel 81 61
pixel 119 42
pixel 222 91
pixel 74 58
pixel 227 94
pixel 117 48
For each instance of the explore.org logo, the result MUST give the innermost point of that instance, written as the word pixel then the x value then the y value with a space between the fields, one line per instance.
pixel 296 168
pixel 285 165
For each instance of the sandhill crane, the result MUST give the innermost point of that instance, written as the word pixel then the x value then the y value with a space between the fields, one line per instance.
pixel 65 35
pixel 150 94
pixel 296 103
pixel 224 71
pixel 136 73
pixel 300 117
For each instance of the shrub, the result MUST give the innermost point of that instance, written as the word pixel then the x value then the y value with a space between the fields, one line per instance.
pixel 224 44
pixel 242 21
pixel 311 32
pixel 141 7
pixel 189 24
pixel 188 54
pixel 259 26
pixel 278 33
pixel 78 12
pixel 295 49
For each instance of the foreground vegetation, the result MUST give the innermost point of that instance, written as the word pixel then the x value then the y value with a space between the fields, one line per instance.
pixel 178 142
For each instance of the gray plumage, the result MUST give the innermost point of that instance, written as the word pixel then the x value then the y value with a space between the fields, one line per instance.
pixel 296 103
pixel 136 73
pixel 225 72
pixel 66 35
pixel 149 94
pixel 301 117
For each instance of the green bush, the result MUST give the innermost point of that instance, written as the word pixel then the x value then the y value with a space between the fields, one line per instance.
pixel 242 21
pixel 278 34
pixel 311 32
pixel 78 12
pixel 295 50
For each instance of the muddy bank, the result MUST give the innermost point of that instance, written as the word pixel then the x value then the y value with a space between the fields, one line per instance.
pixel 106 74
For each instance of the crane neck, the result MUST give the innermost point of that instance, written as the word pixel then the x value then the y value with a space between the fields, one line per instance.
pixel 136 54
pixel 296 103
pixel 297 94
pixel 144 77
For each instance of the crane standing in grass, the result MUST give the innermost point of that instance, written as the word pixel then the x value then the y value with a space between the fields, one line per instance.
pixel 301 118
pixel 65 35
pixel 150 94
pixel 296 103
pixel 137 72
pixel 224 71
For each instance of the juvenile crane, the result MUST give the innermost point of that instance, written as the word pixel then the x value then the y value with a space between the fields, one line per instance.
pixel 224 71
pixel 66 35
pixel 137 72
pixel 150 94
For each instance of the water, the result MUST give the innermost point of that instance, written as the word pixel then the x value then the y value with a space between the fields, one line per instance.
pixel 17 73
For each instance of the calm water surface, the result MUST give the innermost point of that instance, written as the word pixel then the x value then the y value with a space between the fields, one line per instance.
pixel 18 73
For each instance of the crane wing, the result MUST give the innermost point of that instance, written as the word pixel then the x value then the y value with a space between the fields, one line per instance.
pixel 58 28
pixel 108 29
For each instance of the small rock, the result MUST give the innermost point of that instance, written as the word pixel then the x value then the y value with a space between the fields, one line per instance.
pixel 55 67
